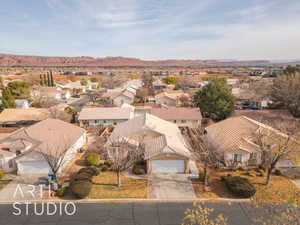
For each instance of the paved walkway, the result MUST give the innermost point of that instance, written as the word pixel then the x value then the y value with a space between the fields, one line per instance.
pixel 22 188
pixel 170 186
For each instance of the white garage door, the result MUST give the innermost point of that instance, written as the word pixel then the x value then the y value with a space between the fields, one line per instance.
pixel 40 167
pixel 167 166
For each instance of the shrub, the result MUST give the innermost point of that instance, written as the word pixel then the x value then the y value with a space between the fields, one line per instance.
pixel 108 164
pixel 81 189
pixel 92 159
pixel 138 170
pixel 247 174
pixel 1 174
pixel 277 172
pixel 61 191
pixel 104 168
pixel 239 186
pixel 92 170
pixel 83 176
pixel 201 177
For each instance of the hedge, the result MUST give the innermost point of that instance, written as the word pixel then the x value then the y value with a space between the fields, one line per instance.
pixel 61 191
pixel 81 188
pixel 1 174
pixel 92 159
pixel 239 186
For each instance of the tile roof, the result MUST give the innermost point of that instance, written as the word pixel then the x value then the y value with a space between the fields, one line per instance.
pixel 172 95
pixel 177 113
pixel 261 115
pixel 105 113
pixel 172 138
pixel 31 114
pixel 48 136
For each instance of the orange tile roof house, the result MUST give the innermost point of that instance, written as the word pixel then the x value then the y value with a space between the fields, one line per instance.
pixel 182 116
pixel 24 149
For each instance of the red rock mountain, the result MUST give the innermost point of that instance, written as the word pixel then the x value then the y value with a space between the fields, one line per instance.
pixel 22 60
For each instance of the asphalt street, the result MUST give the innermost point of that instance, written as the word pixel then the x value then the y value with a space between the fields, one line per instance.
pixel 148 213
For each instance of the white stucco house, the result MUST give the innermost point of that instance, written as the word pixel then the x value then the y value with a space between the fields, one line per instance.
pixel 170 98
pixel 119 98
pixel 20 103
pixel 26 149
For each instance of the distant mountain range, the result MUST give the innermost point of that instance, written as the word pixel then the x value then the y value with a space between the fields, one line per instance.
pixel 23 60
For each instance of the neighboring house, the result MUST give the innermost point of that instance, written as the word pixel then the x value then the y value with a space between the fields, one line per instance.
pixel 159 85
pixel 235 138
pixel 119 98
pixel 20 103
pixel 23 117
pixel 165 148
pixel 104 116
pixel 271 115
pixel 170 98
pixel 182 116
pixel 76 85
pixel 52 92
pixel 136 84
pixel 24 149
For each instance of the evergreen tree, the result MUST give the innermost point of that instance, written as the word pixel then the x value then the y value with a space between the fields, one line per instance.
pixel 45 79
pixel 48 79
pixel 8 100
pixel 51 79
pixel 215 100
pixel 41 80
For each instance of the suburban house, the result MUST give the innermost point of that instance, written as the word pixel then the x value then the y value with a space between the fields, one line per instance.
pixel 235 138
pixel 20 103
pixel 118 98
pixel 265 115
pixel 26 149
pixel 22 117
pixel 159 85
pixel 170 98
pixel 74 85
pixel 165 147
pixel 52 92
pixel 104 116
pixel 182 116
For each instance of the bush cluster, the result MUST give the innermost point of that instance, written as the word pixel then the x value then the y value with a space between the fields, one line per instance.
pixel 82 182
pixel 139 168
pixel 61 191
pixel 105 166
pixel 1 174
pixel 239 186
pixel 92 159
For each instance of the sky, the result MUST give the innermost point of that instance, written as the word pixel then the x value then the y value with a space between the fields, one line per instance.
pixel 152 29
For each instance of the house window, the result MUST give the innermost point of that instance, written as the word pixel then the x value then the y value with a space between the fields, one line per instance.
pixel 175 121
pixel 253 155
pixel 10 164
pixel 237 158
pixel 183 121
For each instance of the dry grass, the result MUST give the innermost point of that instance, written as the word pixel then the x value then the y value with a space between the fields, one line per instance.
pixel 281 188
pixel 104 187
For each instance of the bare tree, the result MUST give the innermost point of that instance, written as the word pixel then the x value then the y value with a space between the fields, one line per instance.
pixel 60 114
pixel 202 152
pixel 124 154
pixel 55 156
pixel 43 101
pixel 276 144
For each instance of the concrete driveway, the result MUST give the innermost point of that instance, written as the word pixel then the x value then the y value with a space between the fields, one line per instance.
pixel 170 186
pixel 22 188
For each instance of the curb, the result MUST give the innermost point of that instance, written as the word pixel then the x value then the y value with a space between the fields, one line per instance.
pixel 129 200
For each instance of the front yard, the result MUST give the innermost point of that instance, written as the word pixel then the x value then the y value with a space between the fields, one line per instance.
pixel 3 183
pixel 104 187
pixel 281 188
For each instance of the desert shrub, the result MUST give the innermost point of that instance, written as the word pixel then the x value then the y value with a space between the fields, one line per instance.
pixel 239 186
pixel 277 172
pixel 81 189
pixel 108 164
pixel 92 159
pixel 1 174
pixel 61 191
